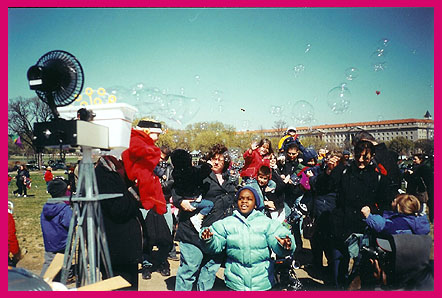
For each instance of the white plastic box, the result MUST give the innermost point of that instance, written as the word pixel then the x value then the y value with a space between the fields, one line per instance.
pixel 117 117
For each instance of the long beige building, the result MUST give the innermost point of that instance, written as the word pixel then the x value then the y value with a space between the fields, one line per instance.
pixel 411 129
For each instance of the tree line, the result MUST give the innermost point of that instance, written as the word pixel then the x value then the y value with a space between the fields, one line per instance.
pixel 23 113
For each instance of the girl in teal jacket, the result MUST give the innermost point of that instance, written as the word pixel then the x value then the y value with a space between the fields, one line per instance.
pixel 247 236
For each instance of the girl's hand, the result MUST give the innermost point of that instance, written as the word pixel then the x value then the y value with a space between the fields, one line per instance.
pixel 185 205
pixel 309 173
pixel 286 242
pixel 254 145
pixel 206 234
pixel 365 211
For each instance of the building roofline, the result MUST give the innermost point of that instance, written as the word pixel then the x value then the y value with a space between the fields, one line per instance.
pixel 325 126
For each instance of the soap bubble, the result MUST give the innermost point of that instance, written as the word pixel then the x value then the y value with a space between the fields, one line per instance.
pixel 197 79
pixel 338 99
pixel 384 42
pixel 218 96
pixel 302 112
pixel 307 48
pixel 378 59
pixel 298 69
pixel 351 73
pixel 276 111
pixel 379 66
pixel 380 118
pixel 203 125
pixel 245 124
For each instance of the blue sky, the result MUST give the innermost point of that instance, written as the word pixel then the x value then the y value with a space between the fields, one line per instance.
pixel 244 67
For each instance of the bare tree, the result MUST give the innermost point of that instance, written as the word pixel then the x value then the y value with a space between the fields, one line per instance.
pixel 280 126
pixel 22 114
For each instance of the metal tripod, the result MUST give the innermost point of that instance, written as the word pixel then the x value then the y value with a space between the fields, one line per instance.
pixel 86 245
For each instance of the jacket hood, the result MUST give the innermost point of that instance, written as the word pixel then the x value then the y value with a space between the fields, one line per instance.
pixel 418 224
pixel 50 210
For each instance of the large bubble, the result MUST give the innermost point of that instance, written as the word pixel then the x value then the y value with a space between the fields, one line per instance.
pixel 302 112
pixel 154 102
pixel 338 99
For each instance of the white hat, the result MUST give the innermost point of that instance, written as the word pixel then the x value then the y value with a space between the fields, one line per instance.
pixel 291 128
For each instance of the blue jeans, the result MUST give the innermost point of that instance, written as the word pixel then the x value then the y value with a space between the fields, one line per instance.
pixel 193 265
pixel 204 205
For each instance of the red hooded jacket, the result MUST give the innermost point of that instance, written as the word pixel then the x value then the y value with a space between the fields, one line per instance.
pixel 140 159
pixel 252 163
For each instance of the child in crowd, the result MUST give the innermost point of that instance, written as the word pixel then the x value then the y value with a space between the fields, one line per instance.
pixel 264 185
pixel 48 176
pixel 248 236
pixel 55 219
pixel 188 183
pixel 404 218
pixel 257 155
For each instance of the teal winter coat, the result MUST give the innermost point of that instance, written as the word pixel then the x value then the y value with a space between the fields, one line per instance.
pixel 248 242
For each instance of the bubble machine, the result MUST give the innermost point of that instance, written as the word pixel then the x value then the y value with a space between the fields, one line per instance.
pixel 58 79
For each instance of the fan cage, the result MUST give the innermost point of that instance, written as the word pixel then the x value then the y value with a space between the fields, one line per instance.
pixel 63 95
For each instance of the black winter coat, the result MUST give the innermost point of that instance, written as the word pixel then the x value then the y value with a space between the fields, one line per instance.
pixel 164 168
pixel 355 189
pixel 122 218
pixel 222 196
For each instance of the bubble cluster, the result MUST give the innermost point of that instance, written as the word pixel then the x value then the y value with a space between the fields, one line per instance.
pixel 302 112
pixel 298 69
pixel 338 99
pixel 153 101
pixel 276 111
pixel 307 48
pixel 351 73
pixel 378 58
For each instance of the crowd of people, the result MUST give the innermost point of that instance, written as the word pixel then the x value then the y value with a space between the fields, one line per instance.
pixel 245 222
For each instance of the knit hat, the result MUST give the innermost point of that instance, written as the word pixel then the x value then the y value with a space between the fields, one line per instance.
pixel 57 188
pixel 345 152
pixel 152 125
pixel 256 193
pixel 308 154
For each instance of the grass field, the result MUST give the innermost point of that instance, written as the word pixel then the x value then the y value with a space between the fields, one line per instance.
pixel 27 219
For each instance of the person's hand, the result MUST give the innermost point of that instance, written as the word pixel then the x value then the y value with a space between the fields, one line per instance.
pixel 365 211
pixel 287 179
pixel 254 145
pixel 270 205
pixel 331 164
pixel 309 173
pixel 185 205
pixel 378 273
pixel 206 234
pixel 286 242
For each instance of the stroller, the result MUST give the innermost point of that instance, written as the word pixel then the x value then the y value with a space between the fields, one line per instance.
pixel 285 275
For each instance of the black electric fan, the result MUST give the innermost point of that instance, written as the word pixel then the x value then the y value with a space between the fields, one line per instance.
pixel 57 78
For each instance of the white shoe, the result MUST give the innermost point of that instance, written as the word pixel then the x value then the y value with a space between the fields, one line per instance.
pixel 197 222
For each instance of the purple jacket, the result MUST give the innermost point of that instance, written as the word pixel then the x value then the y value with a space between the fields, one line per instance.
pixel 55 219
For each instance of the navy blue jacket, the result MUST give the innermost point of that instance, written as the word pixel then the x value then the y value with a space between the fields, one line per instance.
pixel 55 219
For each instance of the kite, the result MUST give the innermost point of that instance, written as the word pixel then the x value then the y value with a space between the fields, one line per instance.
pixel 17 141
